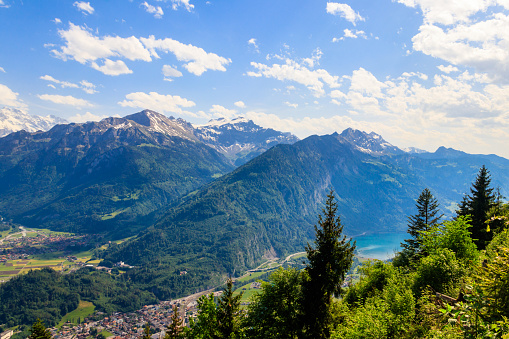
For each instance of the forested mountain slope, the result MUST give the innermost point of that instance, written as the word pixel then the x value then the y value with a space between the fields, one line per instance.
pixel 102 176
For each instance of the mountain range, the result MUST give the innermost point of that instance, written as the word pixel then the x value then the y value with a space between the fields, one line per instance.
pixel 103 176
pixel 177 187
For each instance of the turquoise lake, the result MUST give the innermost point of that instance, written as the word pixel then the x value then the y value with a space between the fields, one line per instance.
pixel 379 245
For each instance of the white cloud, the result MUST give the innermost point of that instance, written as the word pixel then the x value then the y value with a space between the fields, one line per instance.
pixel 184 3
pixel 219 111
pixel 84 85
pixel 289 104
pixel 198 61
pixel 3 5
pixel 240 104
pixel 65 100
pixel 2 70
pixel 253 43
pixel 169 72
pixel 81 118
pixel 156 10
pixel 84 7
pixel 57 21
pixel 88 87
pixel 473 33
pixel 291 70
pixel 315 58
pixel 81 45
pixel 10 98
pixel 448 69
pixel 345 11
pixel 158 102
pixel 63 84
pixel 111 67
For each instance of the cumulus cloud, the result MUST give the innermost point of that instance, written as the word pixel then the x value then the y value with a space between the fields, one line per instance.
pixel 57 21
pixel 10 98
pixel 111 67
pixel 448 69
pixel 2 70
pixel 344 11
pixel 473 33
pixel 169 72
pixel 291 70
pixel 158 102
pixel 156 10
pixel 3 5
pixel 182 3
pixel 219 111
pixel 81 118
pixel 65 100
pixel 84 47
pixel 84 7
pixel 198 60
pixel 240 104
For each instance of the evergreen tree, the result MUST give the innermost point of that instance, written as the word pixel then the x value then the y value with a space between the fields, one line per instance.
pixel 426 217
pixel 477 204
pixel 329 261
pixel 39 331
pixel 176 329
pixel 228 313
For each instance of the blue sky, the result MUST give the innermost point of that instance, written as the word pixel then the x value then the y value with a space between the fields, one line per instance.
pixel 421 73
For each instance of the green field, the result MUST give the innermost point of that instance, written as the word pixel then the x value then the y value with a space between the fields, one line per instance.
pixel 85 308
pixel 250 276
pixel 248 292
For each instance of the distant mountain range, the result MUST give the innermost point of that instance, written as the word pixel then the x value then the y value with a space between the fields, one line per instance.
pixel 241 139
pixel 13 120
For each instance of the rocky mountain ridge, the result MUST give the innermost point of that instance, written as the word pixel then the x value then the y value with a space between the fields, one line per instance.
pixel 240 139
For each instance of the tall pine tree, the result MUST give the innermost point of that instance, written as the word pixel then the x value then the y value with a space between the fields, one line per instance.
pixel 477 204
pixel 329 261
pixel 228 313
pixel 427 216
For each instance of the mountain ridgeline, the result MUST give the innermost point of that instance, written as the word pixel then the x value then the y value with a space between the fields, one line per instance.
pixel 240 139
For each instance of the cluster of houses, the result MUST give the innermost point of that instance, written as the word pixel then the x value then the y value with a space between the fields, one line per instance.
pixel 131 325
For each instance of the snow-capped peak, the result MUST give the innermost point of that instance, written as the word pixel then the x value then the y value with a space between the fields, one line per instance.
pixel 371 143
pixel 13 120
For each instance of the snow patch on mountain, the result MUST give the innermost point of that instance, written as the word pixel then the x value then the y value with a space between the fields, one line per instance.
pixel 371 143
pixel 13 120
pixel 240 139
